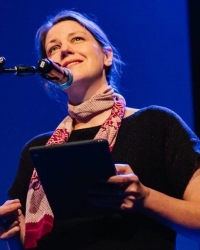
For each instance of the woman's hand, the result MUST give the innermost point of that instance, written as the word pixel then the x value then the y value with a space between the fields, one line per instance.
pixel 123 191
pixel 132 192
pixel 9 218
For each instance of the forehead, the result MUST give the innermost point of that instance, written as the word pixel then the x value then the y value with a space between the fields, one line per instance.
pixel 66 28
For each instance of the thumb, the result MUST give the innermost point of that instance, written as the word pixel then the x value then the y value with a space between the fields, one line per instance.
pixel 123 169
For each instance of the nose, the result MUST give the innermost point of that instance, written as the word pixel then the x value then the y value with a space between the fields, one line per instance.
pixel 65 51
pixel 65 54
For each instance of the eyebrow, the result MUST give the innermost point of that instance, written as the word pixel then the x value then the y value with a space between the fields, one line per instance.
pixel 70 34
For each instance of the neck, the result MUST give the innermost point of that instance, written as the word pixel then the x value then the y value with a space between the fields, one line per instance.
pixel 83 91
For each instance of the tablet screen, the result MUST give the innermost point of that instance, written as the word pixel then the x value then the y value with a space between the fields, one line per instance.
pixel 68 171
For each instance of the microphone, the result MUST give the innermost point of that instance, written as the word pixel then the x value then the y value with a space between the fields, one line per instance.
pixel 53 72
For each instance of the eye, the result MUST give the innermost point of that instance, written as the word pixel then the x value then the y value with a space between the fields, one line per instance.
pixel 53 49
pixel 77 39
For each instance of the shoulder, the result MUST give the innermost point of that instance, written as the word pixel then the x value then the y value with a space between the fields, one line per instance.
pixel 157 118
pixel 38 140
pixel 153 111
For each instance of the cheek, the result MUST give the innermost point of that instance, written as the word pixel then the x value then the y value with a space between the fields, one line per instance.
pixel 98 55
pixel 99 58
pixel 54 57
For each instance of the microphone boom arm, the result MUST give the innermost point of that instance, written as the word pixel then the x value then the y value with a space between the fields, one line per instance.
pixel 20 70
pixel 51 71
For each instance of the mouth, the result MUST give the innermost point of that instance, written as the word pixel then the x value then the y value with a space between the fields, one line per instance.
pixel 72 63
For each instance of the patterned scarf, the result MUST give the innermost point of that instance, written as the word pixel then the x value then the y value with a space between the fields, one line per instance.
pixel 39 216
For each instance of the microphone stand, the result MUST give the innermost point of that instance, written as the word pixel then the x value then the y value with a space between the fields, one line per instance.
pixel 20 70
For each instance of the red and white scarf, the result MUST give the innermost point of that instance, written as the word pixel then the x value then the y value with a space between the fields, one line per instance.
pixel 39 217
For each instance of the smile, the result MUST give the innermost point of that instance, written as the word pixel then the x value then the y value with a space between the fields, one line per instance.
pixel 69 64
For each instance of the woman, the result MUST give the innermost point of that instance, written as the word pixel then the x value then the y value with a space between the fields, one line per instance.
pixel 159 174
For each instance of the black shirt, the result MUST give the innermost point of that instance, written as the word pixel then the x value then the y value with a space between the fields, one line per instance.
pixel 161 150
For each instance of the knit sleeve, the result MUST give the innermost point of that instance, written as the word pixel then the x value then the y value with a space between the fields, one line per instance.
pixel 19 188
pixel 182 152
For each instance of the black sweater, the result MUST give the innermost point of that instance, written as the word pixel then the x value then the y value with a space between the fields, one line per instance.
pixel 162 152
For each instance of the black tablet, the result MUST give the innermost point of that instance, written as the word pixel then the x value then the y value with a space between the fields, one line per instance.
pixel 68 171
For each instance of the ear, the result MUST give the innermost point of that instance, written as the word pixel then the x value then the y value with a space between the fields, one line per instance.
pixel 108 56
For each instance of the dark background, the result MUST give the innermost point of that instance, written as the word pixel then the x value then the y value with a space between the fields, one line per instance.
pixel 158 41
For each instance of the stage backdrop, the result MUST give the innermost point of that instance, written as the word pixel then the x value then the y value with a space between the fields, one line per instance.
pixel 152 38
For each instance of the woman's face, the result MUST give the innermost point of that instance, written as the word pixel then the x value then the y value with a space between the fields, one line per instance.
pixel 72 46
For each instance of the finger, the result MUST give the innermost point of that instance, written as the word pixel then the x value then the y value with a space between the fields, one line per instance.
pixel 129 201
pixel 14 224
pixel 8 208
pixel 123 169
pixel 127 205
pixel 123 179
pixel 7 219
pixel 19 212
pixel 10 226
pixel 8 202
pixel 6 222
pixel 10 233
